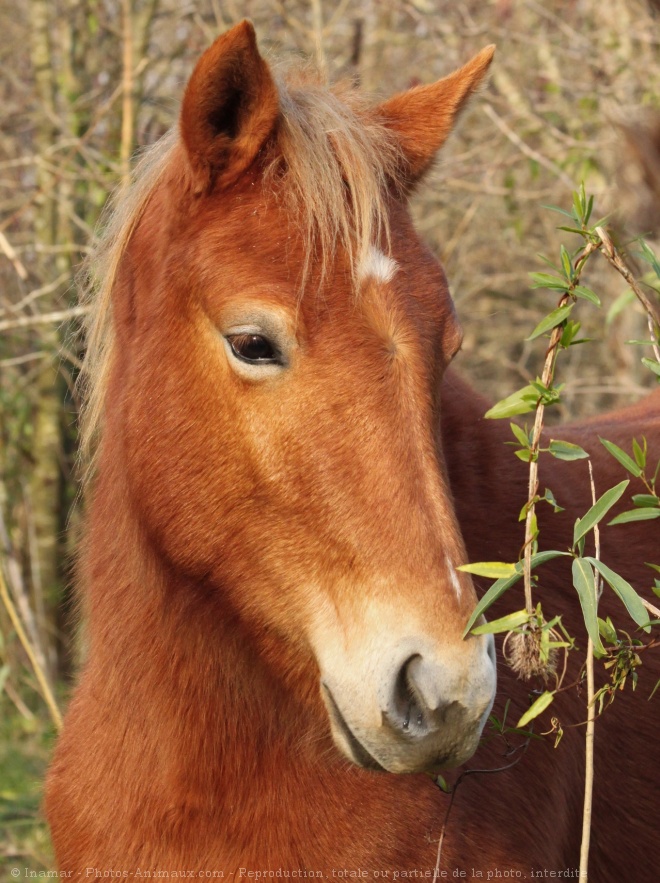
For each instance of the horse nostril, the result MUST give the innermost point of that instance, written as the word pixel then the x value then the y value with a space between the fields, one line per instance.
pixel 408 711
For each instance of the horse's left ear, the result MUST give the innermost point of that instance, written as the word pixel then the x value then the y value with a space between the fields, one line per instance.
pixel 423 117
pixel 229 108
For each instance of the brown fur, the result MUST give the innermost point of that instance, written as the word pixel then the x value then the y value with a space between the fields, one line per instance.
pixel 225 510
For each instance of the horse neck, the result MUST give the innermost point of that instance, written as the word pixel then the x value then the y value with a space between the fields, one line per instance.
pixel 223 756
pixel 167 644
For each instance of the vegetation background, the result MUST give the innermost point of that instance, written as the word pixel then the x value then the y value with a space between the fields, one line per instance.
pixel 574 95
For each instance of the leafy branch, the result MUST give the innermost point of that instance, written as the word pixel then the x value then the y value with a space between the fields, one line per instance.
pixel 532 642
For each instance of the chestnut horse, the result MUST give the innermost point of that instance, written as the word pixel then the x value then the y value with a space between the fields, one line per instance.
pixel 284 487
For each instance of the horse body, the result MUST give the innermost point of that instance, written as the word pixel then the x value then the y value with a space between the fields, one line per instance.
pixel 274 615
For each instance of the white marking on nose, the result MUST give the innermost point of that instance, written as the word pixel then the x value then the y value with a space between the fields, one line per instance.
pixel 378 266
pixel 453 576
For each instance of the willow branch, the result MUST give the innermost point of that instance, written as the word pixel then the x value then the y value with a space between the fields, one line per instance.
pixel 546 379
pixel 532 488
pixel 591 715
pixel 652 310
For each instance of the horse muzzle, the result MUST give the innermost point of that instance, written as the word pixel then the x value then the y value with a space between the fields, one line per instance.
pixel 420 713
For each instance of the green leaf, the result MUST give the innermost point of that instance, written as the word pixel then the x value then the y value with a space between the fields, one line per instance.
pixel 566 263
pixel 650 257
pixel 504 624
pixel 520 434
pixel 586 294
pixel 526 455
pixel 564 450
pixel 549 395
pixel 579 203
pixel 519 402
pixel 534 529
pixel 635 515
pixel 556 317
pixel 547 261
pixel 625 591
pixel 545 280
pixel 561 211
pixel 607 630
pixel 581 340
pixel 589 209
pixel 623 300
pixel 645 500
pixel 536 708
pixel 500 587
pixel 494 592
pixel 600 508
pixel 542 557
pixel 577 230
pixel 585 584
pixel 624 459
pixel 653 365
pixel 490 569
pixel 550 498
pixel 570 332
pixel 639 452
pixel 441 782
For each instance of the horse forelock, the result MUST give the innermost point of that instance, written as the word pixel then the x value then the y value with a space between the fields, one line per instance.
pixel 341 162
pixel 333 165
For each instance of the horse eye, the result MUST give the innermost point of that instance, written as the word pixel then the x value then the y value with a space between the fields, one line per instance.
pixel 253 348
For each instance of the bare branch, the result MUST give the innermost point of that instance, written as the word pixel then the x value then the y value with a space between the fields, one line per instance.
pixel 44 318
pixel 652 311
pixel 525 148
pixel 9 252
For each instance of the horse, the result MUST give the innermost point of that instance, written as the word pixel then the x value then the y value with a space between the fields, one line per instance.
pixel 288 474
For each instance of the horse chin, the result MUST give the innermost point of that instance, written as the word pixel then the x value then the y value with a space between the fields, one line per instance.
pixel 386 750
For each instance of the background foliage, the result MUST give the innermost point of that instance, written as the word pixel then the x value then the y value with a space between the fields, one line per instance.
pixel 574 96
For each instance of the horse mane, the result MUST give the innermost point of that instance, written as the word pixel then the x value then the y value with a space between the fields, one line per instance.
pixel 335 162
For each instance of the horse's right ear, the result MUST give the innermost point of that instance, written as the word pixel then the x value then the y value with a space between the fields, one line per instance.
pixel 229 108
pixel 422 118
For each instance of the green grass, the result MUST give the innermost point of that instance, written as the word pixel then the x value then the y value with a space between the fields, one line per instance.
pixel 25 747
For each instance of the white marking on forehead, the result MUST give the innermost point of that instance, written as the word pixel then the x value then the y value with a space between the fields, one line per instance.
pixel 453 576
pixel 378 266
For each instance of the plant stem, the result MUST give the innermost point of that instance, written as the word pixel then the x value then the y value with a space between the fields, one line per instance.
pixel 588 765
pixel 126 144
pixel 615 259
pixel 22 637
pixel 546 379
pixel 591 716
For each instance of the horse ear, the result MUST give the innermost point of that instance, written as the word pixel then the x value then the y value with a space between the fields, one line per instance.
pixel 423 117
pixel 229 108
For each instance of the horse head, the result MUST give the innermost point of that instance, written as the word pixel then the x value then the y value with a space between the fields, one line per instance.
pixel 280 336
